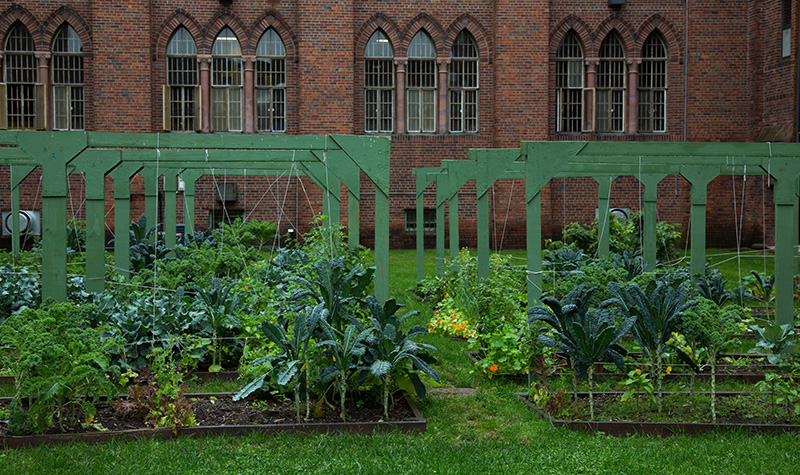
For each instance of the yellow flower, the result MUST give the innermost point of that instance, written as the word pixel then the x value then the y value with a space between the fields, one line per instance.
pixel 669 369
pixel 638 372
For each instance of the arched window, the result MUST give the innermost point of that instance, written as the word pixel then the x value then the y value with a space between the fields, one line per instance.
pixel 271 83
pixel 652 85
pixel 610 99
pixel 569 84
pixel 24 97
pixel 67 66
pixel 226 83
pixel 378 84
pixel 182 92
pixel 421 84
pixel 464 84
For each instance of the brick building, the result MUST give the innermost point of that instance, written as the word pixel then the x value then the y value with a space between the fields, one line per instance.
pixel 439 77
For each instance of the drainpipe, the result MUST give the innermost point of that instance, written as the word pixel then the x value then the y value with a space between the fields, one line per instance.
pixel 686 73
pixel 797 79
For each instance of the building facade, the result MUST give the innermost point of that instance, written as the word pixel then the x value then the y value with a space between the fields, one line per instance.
pixel 438 77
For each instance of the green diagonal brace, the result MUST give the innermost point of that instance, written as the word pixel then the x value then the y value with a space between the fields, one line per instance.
pixel 189 177
pixel 18 174
pixel 603 211
pixel 53 150
pixel 423 176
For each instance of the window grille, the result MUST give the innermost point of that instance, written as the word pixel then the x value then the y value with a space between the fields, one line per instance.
pixel 378 84
pixel 464 84
pixel 569 84
pixel 183 95
pixel 652 86
pixel 67 68
pixel 226 83
pixel 610 90
pixel 271 83
pixel 421 84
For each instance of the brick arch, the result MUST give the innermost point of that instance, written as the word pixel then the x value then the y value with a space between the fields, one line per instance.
pixel 217 23
pixel 474 27
pixel 423 21
pixel 67 14
pixel 18 13
pixel 379 21
pixel 274 20
pixel 668 33
pixel 575 24
pixel 168 28
pixel 625 33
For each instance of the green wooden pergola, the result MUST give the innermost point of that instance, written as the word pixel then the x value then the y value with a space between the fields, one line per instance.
pixel 330 160
pixel 699 163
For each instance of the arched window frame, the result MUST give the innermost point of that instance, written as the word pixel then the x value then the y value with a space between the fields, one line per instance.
pixel 463 84
pixel 379 84
pixel 270 83
pixel 421 85
pixel 569 84
pixel 23 96
pixel 226 83
pixel 652 86
pixel 182 96
pixel 611 83
pixel 67 71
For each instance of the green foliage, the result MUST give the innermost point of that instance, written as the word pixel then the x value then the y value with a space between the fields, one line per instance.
pixel 346 349
pixel 151 321
pixel 761 286
pixel 219 306
pixel 625 235
pixel 564 260
pixel 59 365
pixel 19 289
pixel 777 342
pixel 332 285
pixel 586 336
pixel 327 240
pixel 633 264
pixel 599 274
pixel 261 233
pixel 291 363
pixel 713 288
pixel 76 236
pixel 656 315
pixel 156 395
pixel 145 247
pixel 392 354
pixel 510 349
pixel 637 382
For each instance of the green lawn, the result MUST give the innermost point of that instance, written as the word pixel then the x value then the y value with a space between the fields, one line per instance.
pixel 489 433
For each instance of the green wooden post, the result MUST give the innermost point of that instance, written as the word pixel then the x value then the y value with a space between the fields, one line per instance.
pixel 441 199
pixel 151 178
pixel 381 245
pixel 422 183
pixel 190 177
pixel 452 215
pixel 170 208
pixel 483 183
pixel 786 172
pixel 53 150
pixel 353 210
pixel 699 177
pixel 650 182
pixel 95 164
pixel 603 211
pixel 122 175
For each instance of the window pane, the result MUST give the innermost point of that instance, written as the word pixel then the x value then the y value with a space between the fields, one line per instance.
pixel 414 110
pixel 378 46
pixel 60 108
pixel 652 85
pixel 429 111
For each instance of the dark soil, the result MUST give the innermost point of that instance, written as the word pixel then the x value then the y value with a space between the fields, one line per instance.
pixel 221 410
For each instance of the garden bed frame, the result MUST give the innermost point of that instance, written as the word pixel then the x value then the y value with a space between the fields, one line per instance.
pixel 416 424
pixel 623 428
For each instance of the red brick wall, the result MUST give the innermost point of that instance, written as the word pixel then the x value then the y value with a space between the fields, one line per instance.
pixel 739 89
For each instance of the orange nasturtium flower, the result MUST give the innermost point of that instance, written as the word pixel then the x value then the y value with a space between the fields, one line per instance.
pixel 493 368
pixel 245 288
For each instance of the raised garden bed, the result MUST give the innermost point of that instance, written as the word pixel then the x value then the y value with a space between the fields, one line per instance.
pixel 219 414
pixel 638 423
